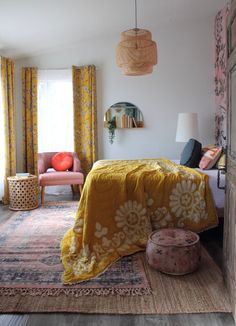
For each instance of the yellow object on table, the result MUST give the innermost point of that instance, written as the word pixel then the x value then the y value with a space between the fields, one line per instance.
pixel 23 192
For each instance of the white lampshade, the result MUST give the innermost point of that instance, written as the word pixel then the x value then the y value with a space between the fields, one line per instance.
pixel 187 127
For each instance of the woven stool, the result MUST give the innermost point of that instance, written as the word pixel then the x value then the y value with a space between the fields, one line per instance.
pixel 23 192
pixel 174 251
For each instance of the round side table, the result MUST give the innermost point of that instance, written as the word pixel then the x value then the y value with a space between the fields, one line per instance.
pixel 23 192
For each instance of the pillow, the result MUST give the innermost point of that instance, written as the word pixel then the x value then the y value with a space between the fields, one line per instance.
pixel 62 161
pixel 221 164
pixel 206 148
pixel 191 154
pixel 210 158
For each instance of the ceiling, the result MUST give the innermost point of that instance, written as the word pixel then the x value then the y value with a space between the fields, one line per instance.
pixel 30 27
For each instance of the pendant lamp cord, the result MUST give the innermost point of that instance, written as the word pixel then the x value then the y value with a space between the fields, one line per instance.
pixel 136 24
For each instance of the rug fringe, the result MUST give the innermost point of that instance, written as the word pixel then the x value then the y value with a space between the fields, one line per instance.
pixel 74 292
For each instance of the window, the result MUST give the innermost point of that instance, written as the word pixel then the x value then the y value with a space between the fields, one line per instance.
pixel 55 111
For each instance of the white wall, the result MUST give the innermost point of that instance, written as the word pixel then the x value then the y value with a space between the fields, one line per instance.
pixel 183 81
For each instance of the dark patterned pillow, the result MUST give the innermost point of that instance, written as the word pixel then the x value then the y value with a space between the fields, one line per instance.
pixel 191 154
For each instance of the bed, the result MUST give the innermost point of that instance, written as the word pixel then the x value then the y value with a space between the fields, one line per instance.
pixel 217 193
pixel 122 202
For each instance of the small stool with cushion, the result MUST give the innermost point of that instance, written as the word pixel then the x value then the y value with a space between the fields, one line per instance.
pixel 68 170
pixel 174 251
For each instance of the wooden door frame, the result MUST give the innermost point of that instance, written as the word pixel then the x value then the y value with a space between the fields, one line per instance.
pixel 229 248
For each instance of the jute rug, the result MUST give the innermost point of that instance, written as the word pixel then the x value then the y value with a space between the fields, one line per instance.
pixel 30 274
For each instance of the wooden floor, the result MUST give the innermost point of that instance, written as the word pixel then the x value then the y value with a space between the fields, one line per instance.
pixel 212 240
pixel 116 320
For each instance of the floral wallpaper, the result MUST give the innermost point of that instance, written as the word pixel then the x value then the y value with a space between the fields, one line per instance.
pixel 220 77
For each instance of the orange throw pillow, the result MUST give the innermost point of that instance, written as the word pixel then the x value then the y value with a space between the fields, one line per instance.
pixel 62 161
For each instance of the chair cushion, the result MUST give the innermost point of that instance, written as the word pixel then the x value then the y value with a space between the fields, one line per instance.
pixel 61 178
pixel 62 161
pixel 191 154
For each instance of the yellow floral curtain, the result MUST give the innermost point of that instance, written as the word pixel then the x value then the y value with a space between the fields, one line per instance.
pixel 7 83
pixel 85 115
pixel 30 125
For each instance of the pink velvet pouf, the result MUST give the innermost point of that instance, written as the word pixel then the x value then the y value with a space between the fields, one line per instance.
pixel 174 251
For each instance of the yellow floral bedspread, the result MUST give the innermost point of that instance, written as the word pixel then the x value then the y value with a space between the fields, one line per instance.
pixel 122 202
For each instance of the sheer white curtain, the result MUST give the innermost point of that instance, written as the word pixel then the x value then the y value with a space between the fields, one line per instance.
pixel 2 145
pixel 55 111
pixel 55 115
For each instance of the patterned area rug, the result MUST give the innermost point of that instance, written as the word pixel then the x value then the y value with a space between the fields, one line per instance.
pixel 30 258
pixel 30 275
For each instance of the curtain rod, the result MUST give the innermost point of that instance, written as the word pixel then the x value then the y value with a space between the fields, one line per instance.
pixel 67 68
pixel 55 68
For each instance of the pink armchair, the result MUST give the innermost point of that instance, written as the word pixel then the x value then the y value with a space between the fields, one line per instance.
pixel 54 178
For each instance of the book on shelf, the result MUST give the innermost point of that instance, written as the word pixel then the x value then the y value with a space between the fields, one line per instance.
pixel 135 124
pixel 126 121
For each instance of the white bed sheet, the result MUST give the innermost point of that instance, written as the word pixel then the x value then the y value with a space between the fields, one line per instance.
pixel 218 194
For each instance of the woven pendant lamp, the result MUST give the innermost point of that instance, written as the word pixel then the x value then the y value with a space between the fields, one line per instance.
pixel 136 54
